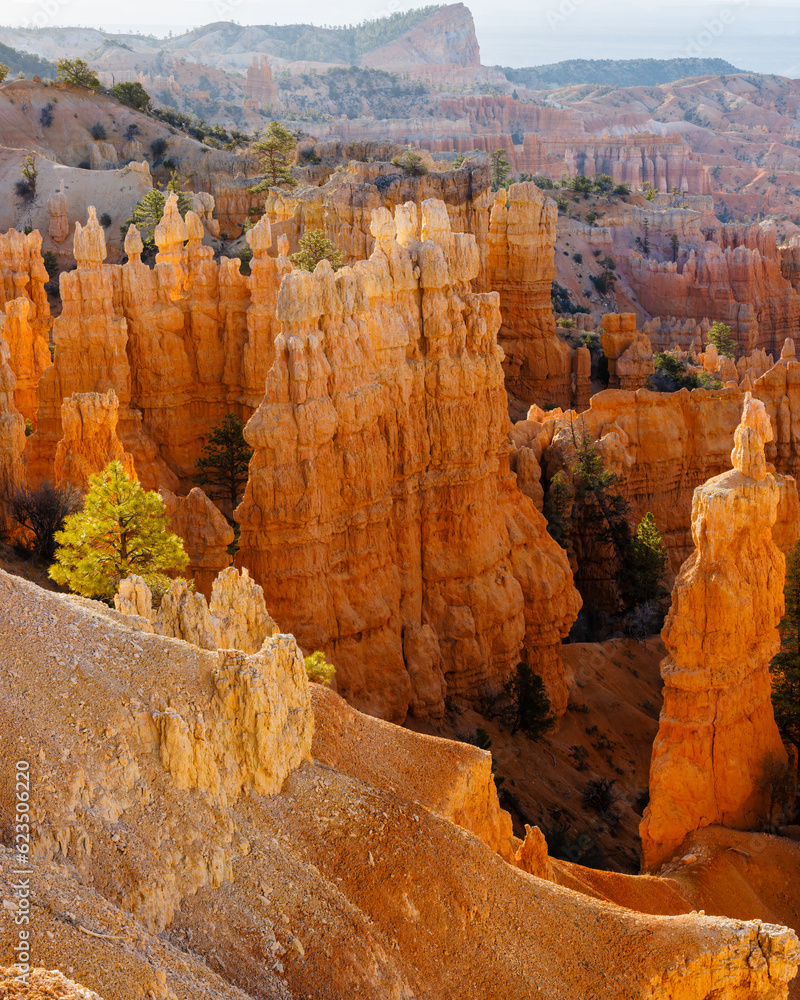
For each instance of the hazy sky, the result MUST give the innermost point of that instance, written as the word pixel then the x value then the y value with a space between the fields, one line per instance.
pixel 762 35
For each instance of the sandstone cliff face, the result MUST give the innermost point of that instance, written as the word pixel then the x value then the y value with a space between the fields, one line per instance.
pixel 90 357
pixel 717 728
pixel 12 434
pixel 629 353
pixel 379 492
pixel 447 38
pixel 182 344
pixel 522 231
pixel 22 273
pixel 90 442
pixel 30 354
pixel 737 281
pixel 662 447
pixel 205 533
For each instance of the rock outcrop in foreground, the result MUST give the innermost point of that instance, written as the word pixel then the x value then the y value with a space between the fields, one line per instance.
pixel 380 497
pixel 184 845
pixel 717 731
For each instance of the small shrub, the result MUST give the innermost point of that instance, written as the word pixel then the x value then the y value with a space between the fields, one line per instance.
pixel 105 220
pixel 318 669
pixel 622 190
pixel 46 116
pixel 544 182
pixel 130 132
pixel 84 165
pixel 562 203
pixel 158 147
pixel 578 258
pixel 42 510
pixel 599 795
pixel 411 162
pixel 28 427
pixel 580 849
pixel 98 131
pixel 50 258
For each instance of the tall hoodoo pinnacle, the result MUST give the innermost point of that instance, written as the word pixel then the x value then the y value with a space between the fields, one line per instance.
pixel 717 731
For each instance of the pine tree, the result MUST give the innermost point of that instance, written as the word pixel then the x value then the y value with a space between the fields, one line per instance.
pixel 500 169
pixel 121 530
pixel 785 665
pixel 275 151
pixel 132 94
pixel 530 704
pixel 4 71
pixel 222 467
pixel 318 669
pixel 604 511
pixel 556 509
pixel 314 247
pixel 675 245
pixel 150 210
pixel 78 73
pixel 721 337
pixel 646 564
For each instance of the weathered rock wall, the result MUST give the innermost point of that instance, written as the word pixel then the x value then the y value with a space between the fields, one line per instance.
pixel 12 435
pixel 182 344
pixel 520 266
pixel 380 495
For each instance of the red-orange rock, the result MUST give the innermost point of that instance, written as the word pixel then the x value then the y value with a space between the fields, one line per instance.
pixel 379 492
pixel 30 354
pixel 205 533
pixel 522 232
pixel 90 357
pixel 12 434
pixel 22 273
pixel 89 421
pixel 717 729
pixel 629 353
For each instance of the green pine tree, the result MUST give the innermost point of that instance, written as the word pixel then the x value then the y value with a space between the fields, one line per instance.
pixel 275 150
pixel 530 704
pixel 318 669
pixel 121 530
pixel 223 466
pixel 646 564
pixel 675 246
pixel 785 665
pixel 721 337
pixel 132 94
pixel 500 169
pixel 314 247
pixel 78 73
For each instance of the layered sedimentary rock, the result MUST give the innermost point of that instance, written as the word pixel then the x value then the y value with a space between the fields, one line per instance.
pixel 182 344
pixel 737 281
pixel 717 731
pixel 522 230
pixel 629 352
pixel 236 617
pixel 662 446
pixel 30 354
pixel 22 273
pixel 89 421
pixel 205 533
pixel 379 493
pixel 12 434
pixel 90 357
